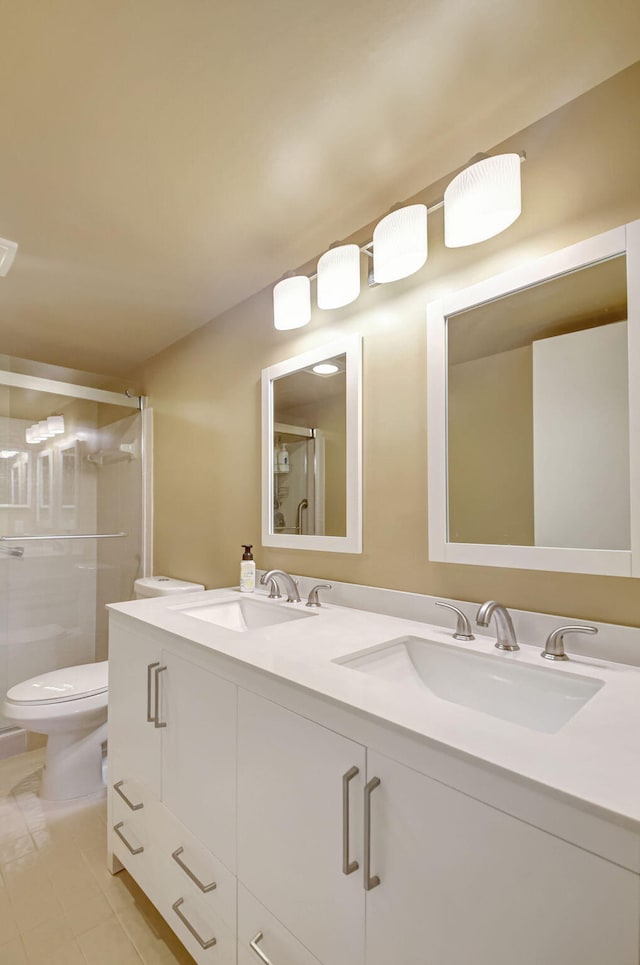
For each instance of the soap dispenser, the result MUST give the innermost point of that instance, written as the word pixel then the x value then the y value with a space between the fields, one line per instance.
pixel 247 570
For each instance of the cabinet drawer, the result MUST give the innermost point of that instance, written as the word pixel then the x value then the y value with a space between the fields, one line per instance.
pixel 203 933
pixel 263 939
pixel 130 841
pixel 191 868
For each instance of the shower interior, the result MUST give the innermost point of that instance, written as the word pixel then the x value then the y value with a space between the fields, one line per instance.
pixel 73 518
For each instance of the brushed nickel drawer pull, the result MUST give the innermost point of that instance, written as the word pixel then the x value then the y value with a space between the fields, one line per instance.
pixel 133 850
pixel 156 720
pixel 150 717
pixel 118 789
pixel 369 880
pixel 201 941
pixel 176 857
pixel 253 944
pixel 348 867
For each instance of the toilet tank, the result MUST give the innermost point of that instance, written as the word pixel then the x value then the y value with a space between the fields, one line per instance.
pixel 162 586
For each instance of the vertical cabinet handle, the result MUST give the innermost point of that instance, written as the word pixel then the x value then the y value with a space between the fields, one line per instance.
pixel 118 789
pixel 156 719
pixel 253 944
pixel 190 874
pixel 151 717
pixel 369 880
pixel 117 828
pixel 202 942
pixel 348 866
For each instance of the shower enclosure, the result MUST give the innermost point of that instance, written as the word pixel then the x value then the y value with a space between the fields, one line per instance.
pixel 74 501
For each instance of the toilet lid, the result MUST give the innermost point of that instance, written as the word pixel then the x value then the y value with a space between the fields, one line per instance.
pixel 61 685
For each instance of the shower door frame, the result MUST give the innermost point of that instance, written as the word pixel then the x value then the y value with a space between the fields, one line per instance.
pixel 36 383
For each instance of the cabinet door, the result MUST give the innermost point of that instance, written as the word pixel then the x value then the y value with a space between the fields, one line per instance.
pixel 134 741
pixel 290 827
pixel 199 753
pixel 462 883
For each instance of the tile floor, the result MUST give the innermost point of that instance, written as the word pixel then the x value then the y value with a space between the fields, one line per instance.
pixel 58 903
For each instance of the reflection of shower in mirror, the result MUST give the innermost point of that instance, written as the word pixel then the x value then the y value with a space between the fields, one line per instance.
pixel 298 482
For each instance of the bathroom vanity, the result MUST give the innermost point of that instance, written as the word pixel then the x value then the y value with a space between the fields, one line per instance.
pixel 286 790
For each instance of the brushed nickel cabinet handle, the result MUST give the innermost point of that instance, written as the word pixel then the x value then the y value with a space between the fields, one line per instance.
pixel 369 880
pixel 150 717
pixel 156 720
pixel 202 942
pixel 253 944
pixel 176 857
pixel 118 789
pixel 130 847
pixel 348 867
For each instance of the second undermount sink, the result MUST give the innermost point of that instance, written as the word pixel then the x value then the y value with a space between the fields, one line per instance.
pixel 536 697
pixel 241 615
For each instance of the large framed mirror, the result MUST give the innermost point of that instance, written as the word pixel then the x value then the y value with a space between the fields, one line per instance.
pixel 312 449
pixel 534 414
pixel 15 479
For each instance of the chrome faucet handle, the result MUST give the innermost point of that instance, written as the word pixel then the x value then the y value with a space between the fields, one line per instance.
pixel 463 627
pixel 274 589
pixel 313 594
pixel 554 647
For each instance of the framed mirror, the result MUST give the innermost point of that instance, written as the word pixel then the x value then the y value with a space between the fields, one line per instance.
pixel 15 479
pixel 312 449
pixel 68 470
pixel 534 414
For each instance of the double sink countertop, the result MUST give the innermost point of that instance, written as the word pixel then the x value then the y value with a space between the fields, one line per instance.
pixel 594 757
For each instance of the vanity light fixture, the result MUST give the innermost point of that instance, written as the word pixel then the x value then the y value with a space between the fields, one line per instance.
pixel 339 276
pixel 8 453
pixel 292 302
pixel 482 200
pixel 39 431
pixel 400 243
pixel 325 368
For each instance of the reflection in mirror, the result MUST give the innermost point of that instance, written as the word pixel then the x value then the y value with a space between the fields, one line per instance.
pixel 15 479
pixel 44 485
pixel 69 476
pixel 310 449
pixel 538 415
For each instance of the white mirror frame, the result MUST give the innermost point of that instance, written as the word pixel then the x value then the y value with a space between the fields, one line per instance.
pixel 625 239
pixel 351 346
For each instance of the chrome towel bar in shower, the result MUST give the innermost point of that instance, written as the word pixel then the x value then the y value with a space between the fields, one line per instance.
pixel 22 539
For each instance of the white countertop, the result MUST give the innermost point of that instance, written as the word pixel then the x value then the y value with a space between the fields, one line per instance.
pixel 594 757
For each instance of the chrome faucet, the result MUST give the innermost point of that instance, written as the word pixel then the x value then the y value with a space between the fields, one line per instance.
pixel 506 634
pixel 554 647
pixel 293 595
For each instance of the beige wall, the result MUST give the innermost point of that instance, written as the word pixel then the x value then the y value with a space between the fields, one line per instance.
pixel 581 178
pixel 490 449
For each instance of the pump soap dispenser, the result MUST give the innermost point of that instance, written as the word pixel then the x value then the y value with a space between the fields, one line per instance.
pixel 247 570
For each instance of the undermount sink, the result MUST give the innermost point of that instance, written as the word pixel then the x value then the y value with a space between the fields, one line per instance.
pixel 241 615
pixel 539 698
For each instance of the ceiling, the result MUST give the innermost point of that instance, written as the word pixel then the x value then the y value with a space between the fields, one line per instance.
pixel 162 160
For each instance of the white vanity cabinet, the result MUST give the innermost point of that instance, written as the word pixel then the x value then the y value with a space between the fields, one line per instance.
pixel 462 883
pixel 290 827
pixel 249 815
pixel 199 753
pixel 135 747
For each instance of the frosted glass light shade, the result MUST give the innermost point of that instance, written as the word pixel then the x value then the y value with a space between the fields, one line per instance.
pixel 339 276
pixel 400 243
pixel 482 200
pixel 292 302
pixel 55 424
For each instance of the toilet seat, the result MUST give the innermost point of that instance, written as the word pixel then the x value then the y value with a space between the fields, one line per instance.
pixel 62 686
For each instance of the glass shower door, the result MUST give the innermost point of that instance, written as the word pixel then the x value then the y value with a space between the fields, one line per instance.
pixel 71 523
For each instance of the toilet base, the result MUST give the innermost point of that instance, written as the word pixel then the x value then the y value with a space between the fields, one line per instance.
pixel 73 766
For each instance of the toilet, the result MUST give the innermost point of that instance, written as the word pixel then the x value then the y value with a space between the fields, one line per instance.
pixel 70 707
